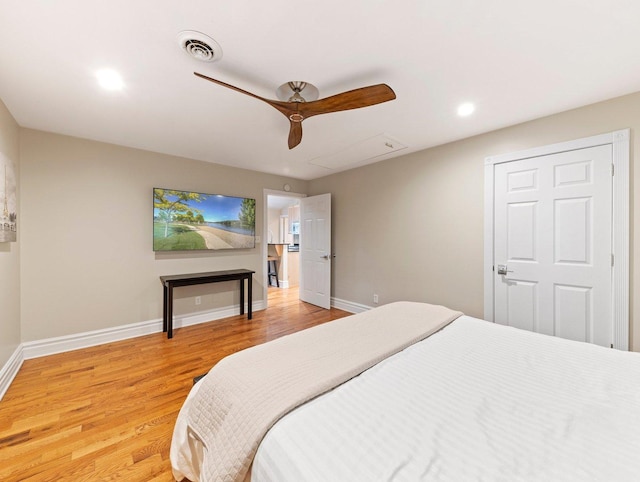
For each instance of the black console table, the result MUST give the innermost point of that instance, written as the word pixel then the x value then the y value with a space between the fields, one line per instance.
pixel 173 281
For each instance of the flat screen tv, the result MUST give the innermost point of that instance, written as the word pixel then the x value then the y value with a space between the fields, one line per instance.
pixel 184 220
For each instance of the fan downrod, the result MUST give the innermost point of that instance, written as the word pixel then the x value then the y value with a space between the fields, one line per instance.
pixel 297 91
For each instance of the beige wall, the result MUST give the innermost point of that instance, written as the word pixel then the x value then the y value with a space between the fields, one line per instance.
pixel 407 228
pixel 86 234
pixel 412 227
pixel 10 252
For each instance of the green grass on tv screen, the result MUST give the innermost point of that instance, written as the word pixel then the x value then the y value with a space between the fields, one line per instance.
pixel 179 237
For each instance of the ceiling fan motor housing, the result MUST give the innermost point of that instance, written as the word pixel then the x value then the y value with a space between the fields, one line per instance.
pixel 297 91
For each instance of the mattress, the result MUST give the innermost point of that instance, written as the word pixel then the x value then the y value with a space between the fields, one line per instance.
pixel 475 401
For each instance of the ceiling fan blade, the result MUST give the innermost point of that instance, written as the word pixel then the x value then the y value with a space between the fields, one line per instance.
pixel 295 134
pixel 352 99
pixel 283 107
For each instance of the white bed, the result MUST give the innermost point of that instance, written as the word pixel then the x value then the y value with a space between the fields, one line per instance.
pixel 474 401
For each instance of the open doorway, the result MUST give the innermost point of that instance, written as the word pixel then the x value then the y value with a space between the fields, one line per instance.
pixel 281 242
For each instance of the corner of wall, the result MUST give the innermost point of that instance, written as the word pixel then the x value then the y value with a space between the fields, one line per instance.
pixel 10 328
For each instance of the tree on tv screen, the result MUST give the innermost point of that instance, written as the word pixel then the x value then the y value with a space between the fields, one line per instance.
pixel 247 214
pixel 171 203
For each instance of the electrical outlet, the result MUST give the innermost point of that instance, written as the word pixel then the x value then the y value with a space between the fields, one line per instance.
pixel 375 299
pixel 198 300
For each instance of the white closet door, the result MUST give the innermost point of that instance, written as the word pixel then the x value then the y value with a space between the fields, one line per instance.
pixel 552 244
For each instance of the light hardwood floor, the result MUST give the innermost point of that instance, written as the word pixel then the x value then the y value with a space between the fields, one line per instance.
pixel 107 412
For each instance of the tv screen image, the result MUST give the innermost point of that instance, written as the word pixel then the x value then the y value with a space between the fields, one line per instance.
pixel 184 220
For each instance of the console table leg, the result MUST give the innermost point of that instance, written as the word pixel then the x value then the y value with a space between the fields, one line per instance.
pixel 165 319
pixel 170 312
pixel 241 296
pixel 249 297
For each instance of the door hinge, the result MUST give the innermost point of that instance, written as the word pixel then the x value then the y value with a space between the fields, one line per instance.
pixel 611 345
pixel 613 169
pixel 612 259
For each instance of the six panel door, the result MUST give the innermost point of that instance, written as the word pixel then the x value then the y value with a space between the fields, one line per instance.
pixel 552 238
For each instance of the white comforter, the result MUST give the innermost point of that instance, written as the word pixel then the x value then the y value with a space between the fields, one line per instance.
pixel 247 392
pixel 475 401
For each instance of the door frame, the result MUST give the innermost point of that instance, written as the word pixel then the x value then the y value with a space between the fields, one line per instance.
pixel 265 231
pixel 620 144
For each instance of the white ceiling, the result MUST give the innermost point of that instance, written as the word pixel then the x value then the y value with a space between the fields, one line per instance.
pixel 516 60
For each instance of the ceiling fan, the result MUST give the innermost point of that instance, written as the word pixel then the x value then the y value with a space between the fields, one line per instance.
pixel 297 108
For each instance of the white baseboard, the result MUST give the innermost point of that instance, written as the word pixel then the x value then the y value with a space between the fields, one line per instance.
pixel 60 344
pixel 10 369
pixel 349 306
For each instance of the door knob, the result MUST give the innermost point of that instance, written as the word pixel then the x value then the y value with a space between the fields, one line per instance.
pixel 502 269
pixel 326 256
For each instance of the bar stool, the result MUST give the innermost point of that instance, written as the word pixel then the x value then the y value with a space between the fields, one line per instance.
pixel 272 269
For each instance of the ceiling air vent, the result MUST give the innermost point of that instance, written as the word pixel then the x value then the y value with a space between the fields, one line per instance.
pixel 200 46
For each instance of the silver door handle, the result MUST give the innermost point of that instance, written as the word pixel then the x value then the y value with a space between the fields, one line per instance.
pixel 326 256
pixel 502 269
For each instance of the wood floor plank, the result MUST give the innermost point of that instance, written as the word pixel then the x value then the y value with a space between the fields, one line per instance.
pixel 107 412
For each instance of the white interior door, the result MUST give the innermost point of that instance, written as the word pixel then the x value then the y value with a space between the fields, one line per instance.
pixel 553 244
pixel 315 250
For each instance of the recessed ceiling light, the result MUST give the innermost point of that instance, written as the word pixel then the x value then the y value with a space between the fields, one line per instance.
pixel 466 109
pixel 110 79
